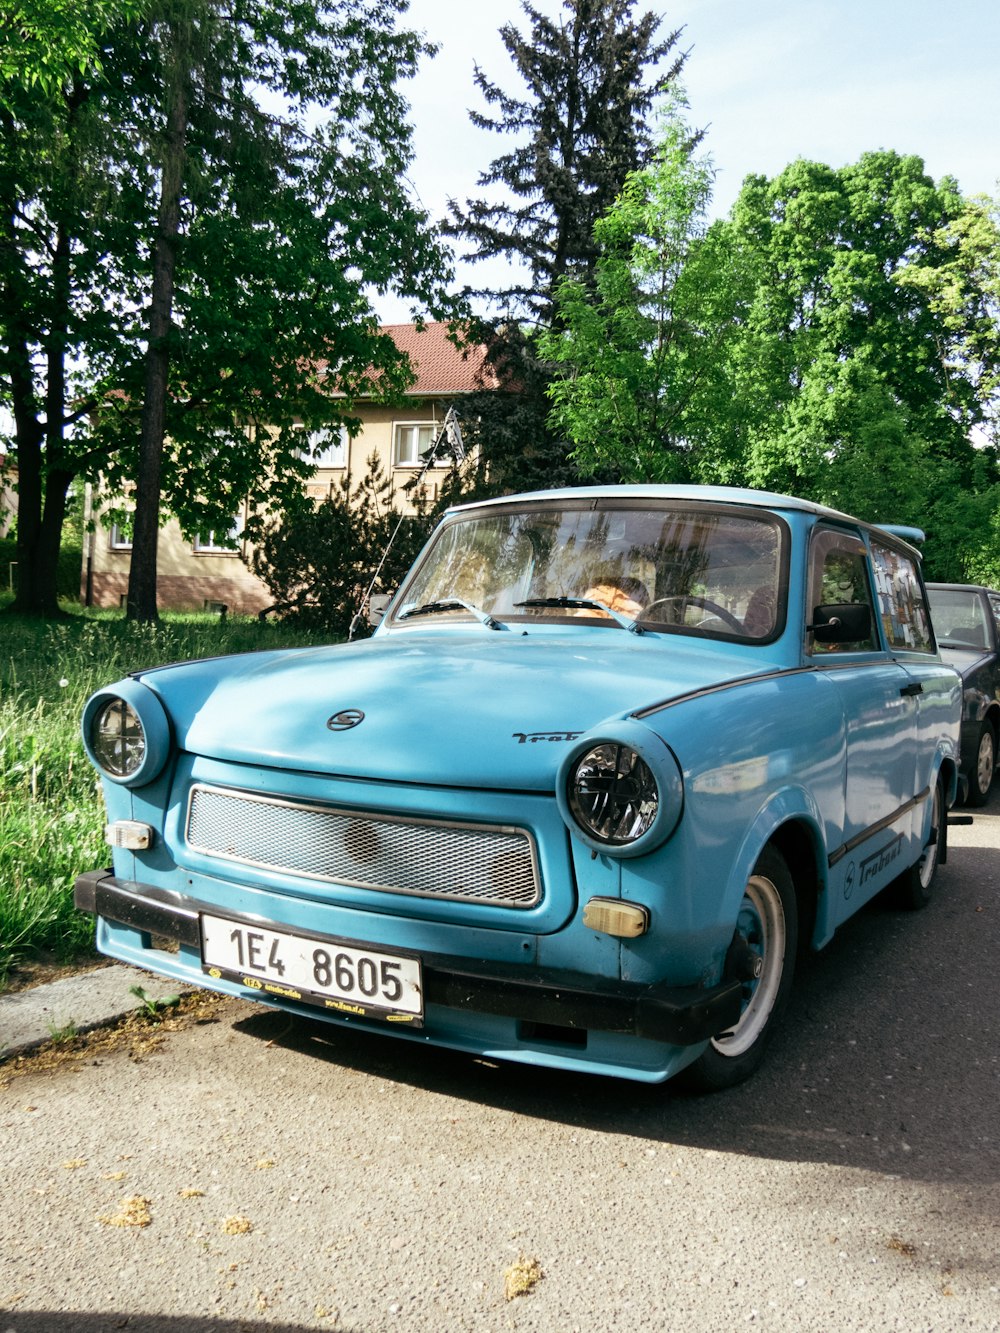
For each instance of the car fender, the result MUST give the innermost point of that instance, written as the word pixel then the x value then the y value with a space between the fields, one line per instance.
pixel 789 805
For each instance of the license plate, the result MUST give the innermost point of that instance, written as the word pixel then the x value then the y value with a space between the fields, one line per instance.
pixel 344 978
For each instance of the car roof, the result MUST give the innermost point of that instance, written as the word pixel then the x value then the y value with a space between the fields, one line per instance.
pixel 730 495
pixel 965 587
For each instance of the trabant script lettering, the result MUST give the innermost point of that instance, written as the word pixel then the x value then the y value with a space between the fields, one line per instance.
pixel 530 737
pixel 874 865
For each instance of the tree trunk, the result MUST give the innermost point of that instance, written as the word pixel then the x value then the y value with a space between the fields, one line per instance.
pixel 43 477
pixel 142 603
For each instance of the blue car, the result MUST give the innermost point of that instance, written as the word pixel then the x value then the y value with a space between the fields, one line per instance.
pixel 611 758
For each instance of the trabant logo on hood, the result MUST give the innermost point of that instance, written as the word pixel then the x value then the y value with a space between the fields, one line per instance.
pixel 345 719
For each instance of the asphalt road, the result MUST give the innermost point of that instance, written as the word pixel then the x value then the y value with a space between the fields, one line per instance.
pixel 295 1177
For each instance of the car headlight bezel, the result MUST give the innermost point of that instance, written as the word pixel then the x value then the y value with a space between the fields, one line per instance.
pixel 620 790
pixel 129 721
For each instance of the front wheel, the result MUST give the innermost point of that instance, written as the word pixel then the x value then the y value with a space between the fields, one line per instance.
pixel 981 777
pixel 767 935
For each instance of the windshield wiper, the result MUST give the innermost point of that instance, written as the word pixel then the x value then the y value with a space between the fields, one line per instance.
pixel 586 603
pixel 453 604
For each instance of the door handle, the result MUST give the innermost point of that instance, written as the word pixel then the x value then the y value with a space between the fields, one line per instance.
pixel 914 687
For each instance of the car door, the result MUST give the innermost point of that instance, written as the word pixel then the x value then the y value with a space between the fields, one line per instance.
pixel 875 702
pixel 906 625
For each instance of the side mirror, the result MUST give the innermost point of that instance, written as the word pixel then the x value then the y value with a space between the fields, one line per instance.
pixel 377 605
pixel 842 622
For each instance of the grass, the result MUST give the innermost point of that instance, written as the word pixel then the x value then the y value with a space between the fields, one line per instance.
pixel 51 811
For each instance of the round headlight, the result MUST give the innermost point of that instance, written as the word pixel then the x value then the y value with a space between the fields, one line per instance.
pixel 613 795
pixel 117 738
pixel 621 793
pixel 126 733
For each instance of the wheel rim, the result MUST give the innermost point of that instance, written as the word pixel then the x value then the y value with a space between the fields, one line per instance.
pixel 928 863
pixel 985 761
pixel 761 922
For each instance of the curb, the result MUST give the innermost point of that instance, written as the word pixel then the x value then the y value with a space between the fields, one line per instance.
pixel 75 1004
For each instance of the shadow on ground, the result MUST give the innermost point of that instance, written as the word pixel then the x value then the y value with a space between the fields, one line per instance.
pixel 886 1062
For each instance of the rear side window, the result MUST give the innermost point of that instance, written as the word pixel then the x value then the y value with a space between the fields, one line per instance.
pixel 901 602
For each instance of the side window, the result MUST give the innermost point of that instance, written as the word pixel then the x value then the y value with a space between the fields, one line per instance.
pixel 838 576
pixel 901 602
pixel 995 608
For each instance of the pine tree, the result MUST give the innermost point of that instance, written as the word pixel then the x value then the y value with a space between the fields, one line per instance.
pixel 581 127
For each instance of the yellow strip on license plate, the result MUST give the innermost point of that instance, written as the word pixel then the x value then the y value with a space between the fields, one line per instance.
pixel 344 978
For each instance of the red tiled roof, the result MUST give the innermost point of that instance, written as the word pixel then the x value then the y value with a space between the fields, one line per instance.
pixel 440 366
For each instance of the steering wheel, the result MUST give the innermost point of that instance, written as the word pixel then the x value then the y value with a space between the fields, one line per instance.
pixel 692 599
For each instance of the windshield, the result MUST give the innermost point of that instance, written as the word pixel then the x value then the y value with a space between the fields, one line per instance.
pixel 959 618
pixel 677 567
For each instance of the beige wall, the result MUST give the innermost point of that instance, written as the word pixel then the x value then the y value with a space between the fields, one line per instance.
pixel 189 580
pixel 8 498
pixel 186 580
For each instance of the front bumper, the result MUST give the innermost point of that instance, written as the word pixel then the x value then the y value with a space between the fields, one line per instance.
pixel 678 1015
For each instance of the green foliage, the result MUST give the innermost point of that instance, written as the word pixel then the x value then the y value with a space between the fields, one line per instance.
pixel 320 560
pixel 836 337
pixel 578 132
pixel 636 346
pixel 51 811
pixel 152 1009
pixel 67 574
pixel 590 77
pixel 851 383
pixel 43 43
pixel 285 227
pixel 508 427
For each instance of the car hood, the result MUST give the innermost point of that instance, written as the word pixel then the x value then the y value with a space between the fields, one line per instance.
pixel 481 710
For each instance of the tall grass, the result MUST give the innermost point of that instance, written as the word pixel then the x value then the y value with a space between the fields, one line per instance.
pixel 51 812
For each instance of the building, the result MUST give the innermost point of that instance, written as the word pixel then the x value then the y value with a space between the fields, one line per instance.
pixel 212 572
pixel 8 494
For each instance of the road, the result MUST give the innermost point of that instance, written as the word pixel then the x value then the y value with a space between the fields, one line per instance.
pixel 295 1177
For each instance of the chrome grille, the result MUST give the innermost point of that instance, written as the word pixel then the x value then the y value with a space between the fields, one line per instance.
pixel 480 863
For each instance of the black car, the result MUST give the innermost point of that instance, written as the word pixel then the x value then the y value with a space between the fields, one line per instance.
pixel 967 624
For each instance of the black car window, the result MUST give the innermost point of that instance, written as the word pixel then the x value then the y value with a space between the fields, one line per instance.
pixel 960 618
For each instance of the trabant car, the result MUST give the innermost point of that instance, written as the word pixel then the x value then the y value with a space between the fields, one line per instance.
pixel 610 758
pixel 967 623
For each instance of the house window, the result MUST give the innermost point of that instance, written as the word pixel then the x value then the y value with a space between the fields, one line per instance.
pixel 410 442
pixel 121 538
pixel 220 541
pixel 327 447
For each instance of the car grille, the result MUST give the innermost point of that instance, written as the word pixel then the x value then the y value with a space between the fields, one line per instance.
pixel 458 862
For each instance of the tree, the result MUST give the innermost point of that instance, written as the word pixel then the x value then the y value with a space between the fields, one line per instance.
pixel 320 561
pixel 639 346
pixel 580 127
pixel 849 384
pixel 591 79
pixel 962 289
pixel 178 261
pixel 42 43
pixel 835 337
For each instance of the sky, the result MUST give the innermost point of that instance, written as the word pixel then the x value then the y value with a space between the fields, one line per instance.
pixel 769 80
